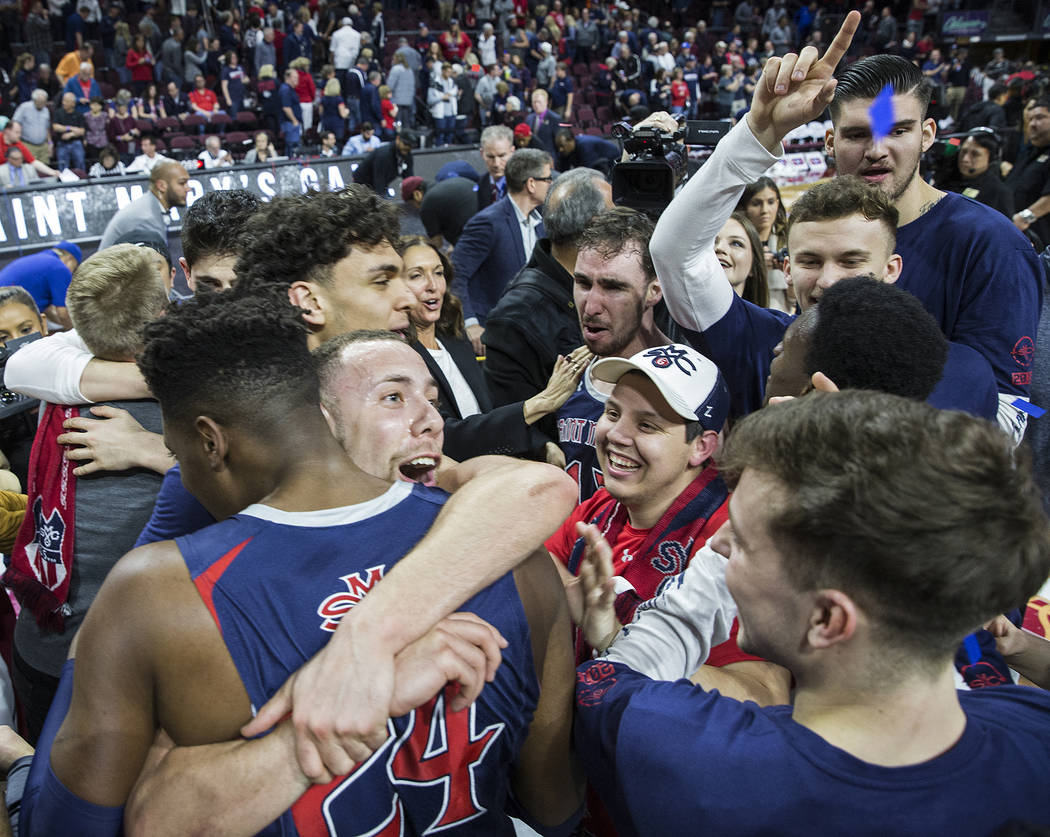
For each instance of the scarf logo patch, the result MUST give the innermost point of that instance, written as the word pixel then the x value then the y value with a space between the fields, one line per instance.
pixel 671 557
pixel 45 552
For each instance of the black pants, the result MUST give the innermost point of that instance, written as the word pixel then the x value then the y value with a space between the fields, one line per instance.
pixel 35 691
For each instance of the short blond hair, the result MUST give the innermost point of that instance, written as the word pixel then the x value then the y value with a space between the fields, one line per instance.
pixel 112 296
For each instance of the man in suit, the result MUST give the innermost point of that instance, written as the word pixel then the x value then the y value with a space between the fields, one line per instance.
pixel 15 172
pixel 543 122
pixel 497 144
pixel 496 243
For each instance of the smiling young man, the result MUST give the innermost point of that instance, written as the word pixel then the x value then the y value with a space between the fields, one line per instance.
pixel 967 264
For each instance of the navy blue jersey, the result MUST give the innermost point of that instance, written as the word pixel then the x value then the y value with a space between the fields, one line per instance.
pixel 278 583
pixel 670 758
pixel 980 279
pixel 577 420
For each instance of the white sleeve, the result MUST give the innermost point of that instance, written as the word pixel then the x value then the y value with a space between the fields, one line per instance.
pixel 1012 420
pixel 50 369
pixel 695 287
pixel 673 632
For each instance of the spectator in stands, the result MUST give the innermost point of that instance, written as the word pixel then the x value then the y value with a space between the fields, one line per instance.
pixel 47 81
pixel 441 99
pixel 455 43
pixel 485 93
pixel 149 157
pixel 562 92
pixel 542 120
pixel 11 137
pixel 214 155
pixel 334 110
pixel 203 101
pixel 988 113
pixel 362 143
pixel 95 121
pixel 306 90
pixel 139 60
pixel 329 144
pixel 121 129
pixel 70 63
pixel 762 204
pixel 262 151
pixel 38 32
pixel 194 60
pixel 389 113
pixel 371 107
pixel 150 105
pixel 402 83
pixel 176 103
pixel 345 45
pixel 265 52
pixel 35 119
pixel 296 44
pixel 15 173
pixel 291 114
pixel 84 87
pixel 268 101
pixel 958 77
pixel 25 77
pixel 171 55
pixel 234 84
pixel 69 128
pixel 975 172
pixel 108 165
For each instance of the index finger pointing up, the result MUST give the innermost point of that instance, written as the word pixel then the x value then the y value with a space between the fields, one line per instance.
pixel 842 40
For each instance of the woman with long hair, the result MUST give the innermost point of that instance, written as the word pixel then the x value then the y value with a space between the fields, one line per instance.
pixel 762 204
pixel 472 426
pixel 739 251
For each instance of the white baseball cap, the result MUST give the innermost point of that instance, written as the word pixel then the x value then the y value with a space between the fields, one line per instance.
pixel 690 383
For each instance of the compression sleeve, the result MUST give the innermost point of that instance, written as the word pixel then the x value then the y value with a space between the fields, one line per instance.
pixel 48 807
pixel 694 283
pixel 673 633
pixel 50 369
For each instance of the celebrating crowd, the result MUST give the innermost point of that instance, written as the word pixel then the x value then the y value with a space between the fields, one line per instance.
pixel 508 509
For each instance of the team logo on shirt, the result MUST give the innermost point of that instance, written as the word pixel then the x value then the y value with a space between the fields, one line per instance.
pixel 337 605
pixel 1023 351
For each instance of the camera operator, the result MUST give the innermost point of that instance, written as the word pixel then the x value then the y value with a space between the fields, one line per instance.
pixel 974 172
pixel 1029 179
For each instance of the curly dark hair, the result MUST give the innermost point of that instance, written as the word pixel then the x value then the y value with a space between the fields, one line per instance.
pixel 301 237
pixel 870 335
pixel 451 322
pixel 617 230
pixel 215 225
pixel 237 358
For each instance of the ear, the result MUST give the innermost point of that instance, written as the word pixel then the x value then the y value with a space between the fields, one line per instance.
pixel 929 133
pixel 822 383
pixel 304 295
pixel 787 272
pixel 834 619
pixel 704 447
pixel 213 440
pixel 186 272
pixel 893 269
pixel 654 293
pixel 829 142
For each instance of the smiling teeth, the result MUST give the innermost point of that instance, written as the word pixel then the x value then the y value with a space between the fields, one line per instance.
pixel 424 462
pixel 622 464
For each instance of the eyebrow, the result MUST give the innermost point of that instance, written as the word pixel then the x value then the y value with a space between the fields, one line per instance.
pixel 857 253
pixel 383 268
pixel 865 126
pixel 396 378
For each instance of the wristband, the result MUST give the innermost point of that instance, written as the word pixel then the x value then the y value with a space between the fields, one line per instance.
pixel 1028 216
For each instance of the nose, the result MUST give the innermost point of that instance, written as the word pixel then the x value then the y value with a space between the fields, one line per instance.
pixel 720 543
pixel 428 421
pixel 720 247
pixel 404 299
pixel 829 275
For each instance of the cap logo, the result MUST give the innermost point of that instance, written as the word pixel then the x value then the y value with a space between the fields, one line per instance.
pixel 664 356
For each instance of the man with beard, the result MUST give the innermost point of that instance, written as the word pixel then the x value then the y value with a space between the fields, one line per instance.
pixel 149 214
pixel 615 292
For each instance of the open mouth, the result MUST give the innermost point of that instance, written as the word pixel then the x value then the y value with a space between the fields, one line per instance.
pixel 420 469
pixel 431 304
pixel 593 330
pixel 725 264
pixel 876 175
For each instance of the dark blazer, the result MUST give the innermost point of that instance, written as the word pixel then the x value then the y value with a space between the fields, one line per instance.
pixel 501 430
pixel 484 191
pixel 487 256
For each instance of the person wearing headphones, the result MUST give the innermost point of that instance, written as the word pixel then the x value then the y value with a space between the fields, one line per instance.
pixel 976 171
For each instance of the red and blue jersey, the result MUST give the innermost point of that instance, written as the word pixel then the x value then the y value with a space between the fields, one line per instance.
pixel 577 420
pixel 278 583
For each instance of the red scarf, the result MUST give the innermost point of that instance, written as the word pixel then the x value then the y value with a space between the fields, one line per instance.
pixel 41 563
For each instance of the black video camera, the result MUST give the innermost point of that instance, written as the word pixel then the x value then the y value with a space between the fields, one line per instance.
pixel 12 403
pixel 648 180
